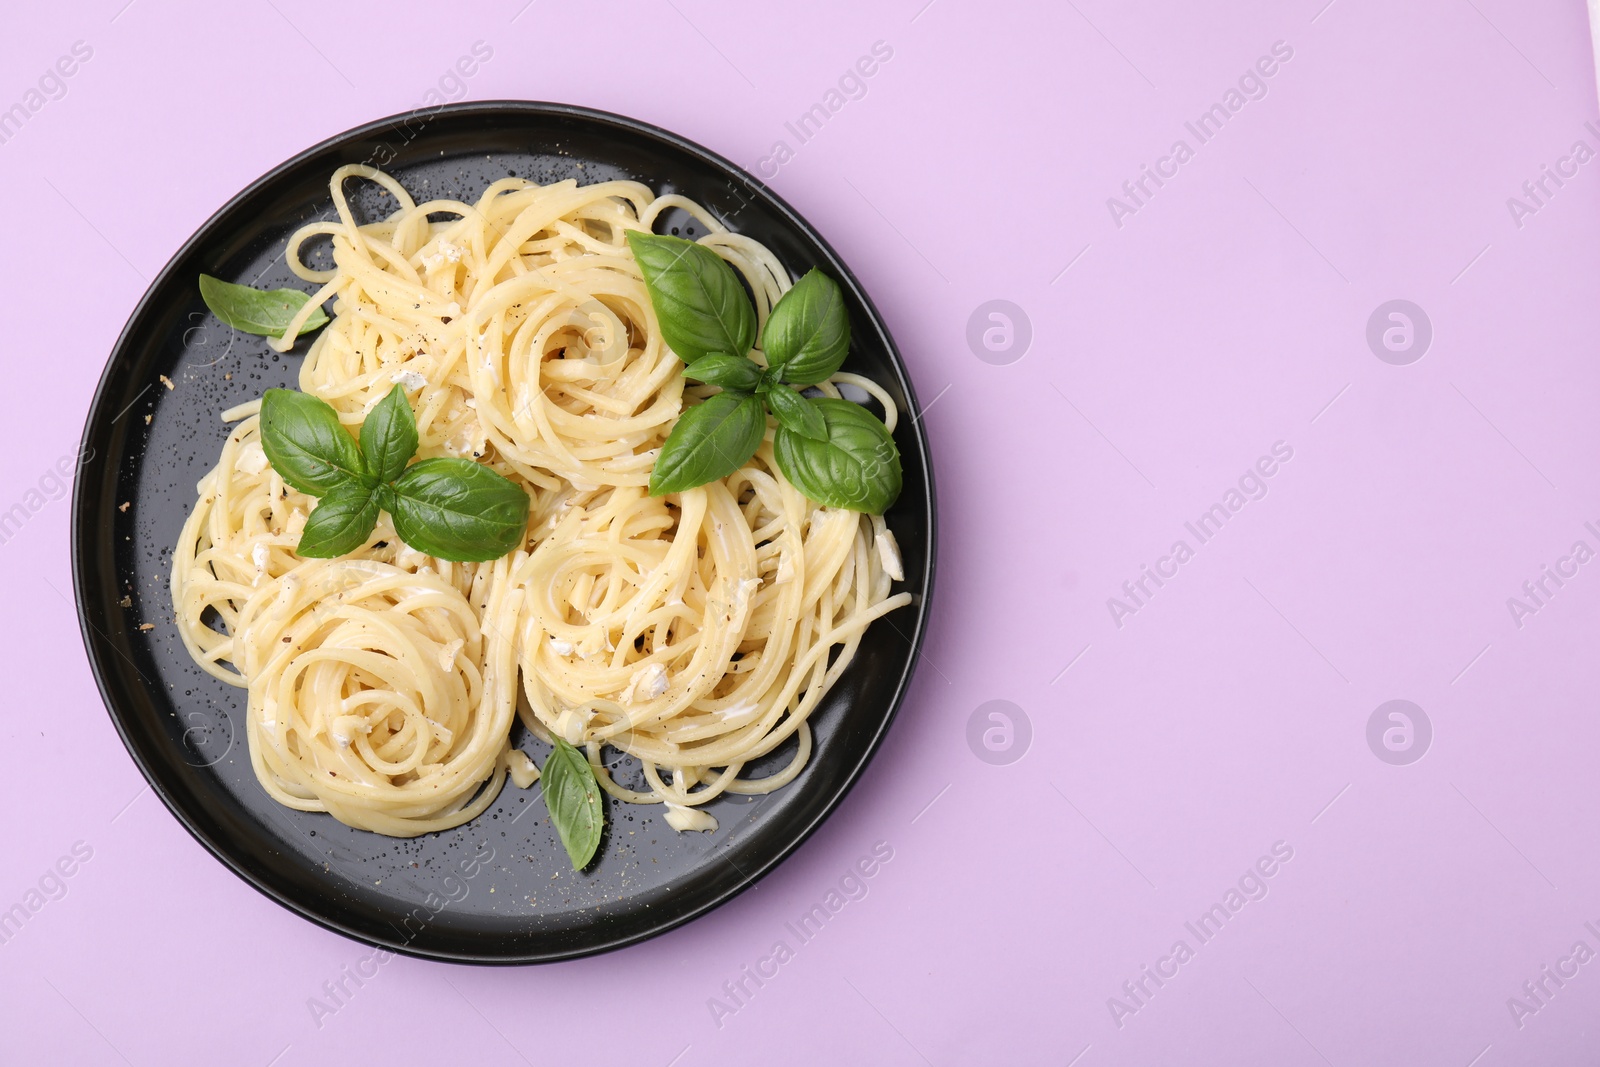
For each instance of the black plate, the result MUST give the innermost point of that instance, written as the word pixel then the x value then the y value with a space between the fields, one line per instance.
pixel 498 889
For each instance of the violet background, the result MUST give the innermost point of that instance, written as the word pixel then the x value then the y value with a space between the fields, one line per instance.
pixel 1230 713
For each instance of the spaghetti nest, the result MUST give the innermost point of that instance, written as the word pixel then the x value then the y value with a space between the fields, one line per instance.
pixel 695 632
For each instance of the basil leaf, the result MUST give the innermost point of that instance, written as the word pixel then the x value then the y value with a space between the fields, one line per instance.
pixel 711 440
pixel 306 444
pixel 389 436
pixel 731 372
pixel 573 797
pixel 267 312
pixel 796 413
pixel 857 467
pixel 459 510
pixel 698 300
pixel 807 335
pixel 340 523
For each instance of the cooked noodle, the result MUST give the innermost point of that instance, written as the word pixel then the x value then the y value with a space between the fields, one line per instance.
pixel 694 632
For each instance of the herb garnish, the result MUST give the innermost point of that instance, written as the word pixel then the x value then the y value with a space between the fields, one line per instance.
pixel 573 796
pixel 452 509
pixel 833 451
pixel 267 312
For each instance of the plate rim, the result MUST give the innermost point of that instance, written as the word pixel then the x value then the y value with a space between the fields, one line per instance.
pixel 83 543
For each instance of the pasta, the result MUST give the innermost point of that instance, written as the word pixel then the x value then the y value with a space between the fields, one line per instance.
pixel 694 632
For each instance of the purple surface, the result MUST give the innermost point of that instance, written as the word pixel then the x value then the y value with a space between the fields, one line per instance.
pixel 1227 312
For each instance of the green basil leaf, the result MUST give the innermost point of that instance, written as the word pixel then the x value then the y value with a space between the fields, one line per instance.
pixel 857 467
pixel 389 436
pixel 698 300
pixel 459 510
pixel 796 413
pixel 306 444
pixel 711 440
pixel 807 335
pixel 573 797
pixel 263 311
pixel 340 523
pixel 739 373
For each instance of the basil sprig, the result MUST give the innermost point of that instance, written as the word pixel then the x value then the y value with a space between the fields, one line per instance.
pixel 796 414
pixel 856 466
pixel 452 509
pixel 833 451
pixel 710 441
pixel 340 523
pixel 573 796
pixel 698 300
pixel 267 312
pixel 729 372
pixel 307 445
pixel 459 510
pixel 808 333
pixel 389 436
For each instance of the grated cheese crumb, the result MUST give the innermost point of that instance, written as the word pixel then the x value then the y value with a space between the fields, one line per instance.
pixel 681 818
pixel 647 683
pixel 889 556
pixel 252 458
